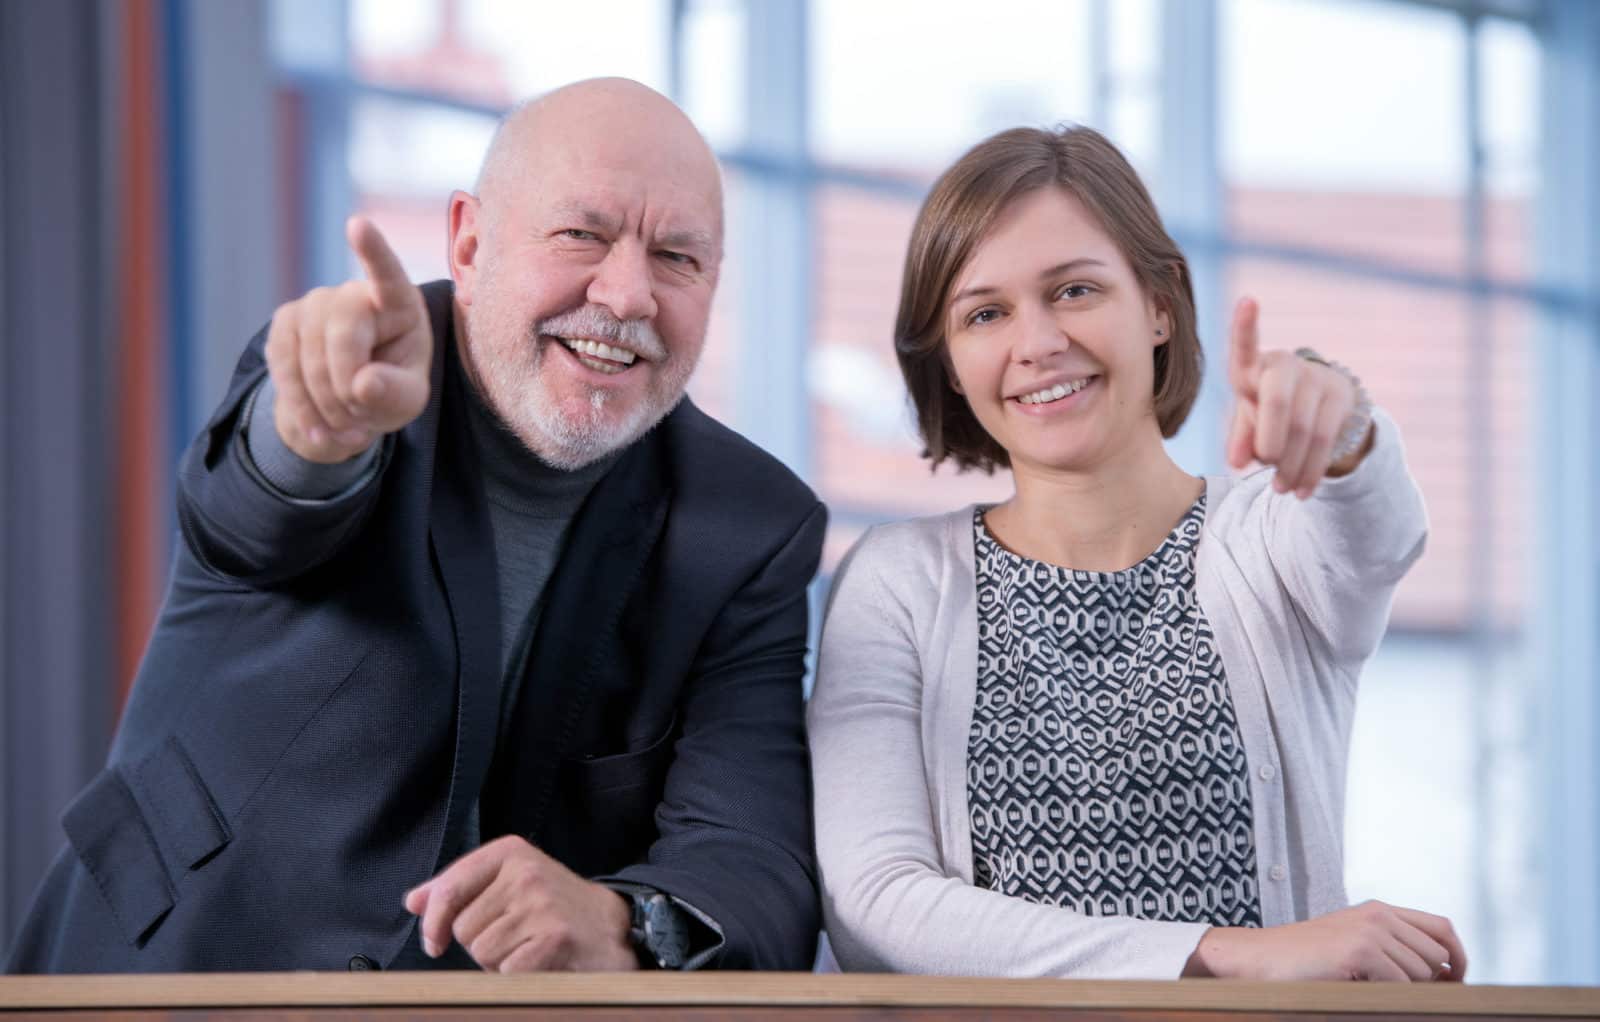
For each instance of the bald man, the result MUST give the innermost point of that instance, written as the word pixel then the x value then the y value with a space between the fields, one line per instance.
pixel 484 646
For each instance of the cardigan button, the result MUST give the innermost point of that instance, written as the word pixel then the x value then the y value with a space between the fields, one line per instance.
pixel 361 963
pixel 1277 873
pixel 1267 772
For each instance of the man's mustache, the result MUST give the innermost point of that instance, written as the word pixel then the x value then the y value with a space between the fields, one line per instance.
pixel 595 322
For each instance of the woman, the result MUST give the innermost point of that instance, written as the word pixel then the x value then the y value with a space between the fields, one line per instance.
pixel 1100 729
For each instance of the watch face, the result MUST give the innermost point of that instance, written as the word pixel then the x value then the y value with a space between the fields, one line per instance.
pixel 666 933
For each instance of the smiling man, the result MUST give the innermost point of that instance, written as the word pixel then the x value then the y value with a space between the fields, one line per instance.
pixel 484 645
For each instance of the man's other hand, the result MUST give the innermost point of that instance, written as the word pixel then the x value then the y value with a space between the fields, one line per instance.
pixel 350 363
pixel 515 909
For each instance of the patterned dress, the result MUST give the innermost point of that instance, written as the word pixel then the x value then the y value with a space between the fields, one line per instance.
pixel 1105 771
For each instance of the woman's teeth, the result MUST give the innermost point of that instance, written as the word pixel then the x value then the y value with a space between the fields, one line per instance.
pixel 1056 393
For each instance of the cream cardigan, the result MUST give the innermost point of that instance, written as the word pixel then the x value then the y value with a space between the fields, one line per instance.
pixel 1298 596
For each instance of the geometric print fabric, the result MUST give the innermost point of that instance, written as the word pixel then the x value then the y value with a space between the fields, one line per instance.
pixel 1105 771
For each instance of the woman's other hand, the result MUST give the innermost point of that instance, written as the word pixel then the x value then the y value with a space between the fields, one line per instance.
pixel 1370 941
pixel 1288 410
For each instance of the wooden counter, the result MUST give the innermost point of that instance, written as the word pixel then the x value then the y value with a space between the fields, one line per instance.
pixel 323 997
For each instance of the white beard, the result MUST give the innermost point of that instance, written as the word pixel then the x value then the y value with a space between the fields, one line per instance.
pixel 509 360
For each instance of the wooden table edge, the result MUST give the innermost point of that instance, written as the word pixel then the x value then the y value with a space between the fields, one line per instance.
pixel 433 989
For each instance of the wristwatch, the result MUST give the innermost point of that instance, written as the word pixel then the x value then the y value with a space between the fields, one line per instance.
pixel 658 931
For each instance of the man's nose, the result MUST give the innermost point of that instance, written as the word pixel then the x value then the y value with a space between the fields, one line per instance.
pixel 622 283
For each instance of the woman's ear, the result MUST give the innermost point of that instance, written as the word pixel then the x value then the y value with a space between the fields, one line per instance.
pixel 1162 331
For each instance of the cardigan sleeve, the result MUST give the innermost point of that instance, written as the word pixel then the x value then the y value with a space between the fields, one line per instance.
pixel 1342 553
pixel 889 901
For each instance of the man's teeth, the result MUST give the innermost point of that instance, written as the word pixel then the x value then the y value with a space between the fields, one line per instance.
pixel 1056 393
pixel 598 351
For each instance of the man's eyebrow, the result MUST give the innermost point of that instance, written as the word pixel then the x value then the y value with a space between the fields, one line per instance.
pixel 690 239
pixel 1066 267
pixel 590 217
pixel 587 215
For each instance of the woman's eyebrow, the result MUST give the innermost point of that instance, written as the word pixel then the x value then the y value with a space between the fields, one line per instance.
pixel 1071 264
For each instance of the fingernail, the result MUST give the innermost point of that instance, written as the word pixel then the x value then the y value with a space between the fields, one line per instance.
pixel 429 948
pixel 317 435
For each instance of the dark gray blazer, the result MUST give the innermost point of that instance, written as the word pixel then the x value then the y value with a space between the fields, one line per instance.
pixel 316 712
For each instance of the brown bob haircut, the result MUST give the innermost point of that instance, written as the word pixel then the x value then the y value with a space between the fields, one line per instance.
pixel 958 214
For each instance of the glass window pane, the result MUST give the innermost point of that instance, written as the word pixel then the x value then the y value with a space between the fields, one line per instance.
pixel 405 159
pixel 713 69
pixel 906 85
pixel 1510 90
pixel 1134 108
pixel 498 51
pixel 1431 823
pixel 1344 127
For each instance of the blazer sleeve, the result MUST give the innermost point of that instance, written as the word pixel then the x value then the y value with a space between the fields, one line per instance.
pixel 239 526
pixel 889 901
pixel 734 824
pixel 1341 554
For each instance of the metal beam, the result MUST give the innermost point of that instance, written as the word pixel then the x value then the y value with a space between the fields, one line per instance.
pixel 773 239
pixel 1188 188
pixel 1565 621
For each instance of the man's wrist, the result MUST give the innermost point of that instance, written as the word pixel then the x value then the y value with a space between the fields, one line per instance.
pixel 618 915
pixel 658 930
pixel 704 940
pixel 283 468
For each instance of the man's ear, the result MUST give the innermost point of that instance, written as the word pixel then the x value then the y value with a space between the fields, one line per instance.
pixel 466 229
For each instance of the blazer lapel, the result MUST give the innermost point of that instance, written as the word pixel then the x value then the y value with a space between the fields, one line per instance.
pixel 463 551
pixel 604 555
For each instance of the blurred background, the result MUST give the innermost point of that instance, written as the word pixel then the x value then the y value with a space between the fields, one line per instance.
pixel 1410 187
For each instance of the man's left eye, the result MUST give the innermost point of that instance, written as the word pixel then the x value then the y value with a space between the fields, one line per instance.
pixel 578 234
pixel 677 257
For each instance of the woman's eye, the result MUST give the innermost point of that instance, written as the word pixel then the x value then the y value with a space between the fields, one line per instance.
pixel 983 316
pixel 1074 291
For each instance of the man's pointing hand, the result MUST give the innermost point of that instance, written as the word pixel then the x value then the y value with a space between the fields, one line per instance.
pixel 350 363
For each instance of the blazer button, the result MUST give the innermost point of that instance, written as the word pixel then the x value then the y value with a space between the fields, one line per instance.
pixel 361 963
